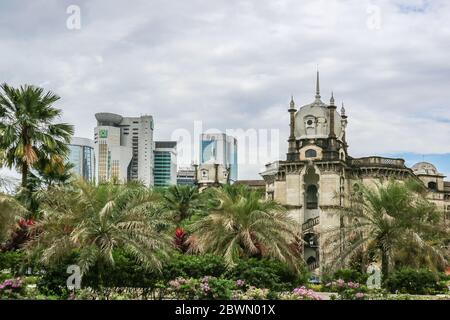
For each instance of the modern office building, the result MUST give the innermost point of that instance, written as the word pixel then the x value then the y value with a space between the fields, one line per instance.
pixel 165 157
pixel 124 148
pixel 82 156
pixel 186 176
pixel 222 150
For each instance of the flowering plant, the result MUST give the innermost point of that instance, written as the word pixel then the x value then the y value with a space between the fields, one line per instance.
pixel 203 289
pixel 347 290
pixel 301 293
pixel 11 289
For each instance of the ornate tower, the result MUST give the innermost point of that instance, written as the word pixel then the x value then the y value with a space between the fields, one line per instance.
pixel 331 152
pixel 292 151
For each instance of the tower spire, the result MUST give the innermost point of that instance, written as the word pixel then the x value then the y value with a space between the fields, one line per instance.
pixel 318 86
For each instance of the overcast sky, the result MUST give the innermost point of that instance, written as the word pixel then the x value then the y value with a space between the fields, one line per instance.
pixel 234 64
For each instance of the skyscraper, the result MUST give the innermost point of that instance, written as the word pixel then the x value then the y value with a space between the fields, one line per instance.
pixel 165 163
pixel 221 149
pixel 82 156
pixel 124 148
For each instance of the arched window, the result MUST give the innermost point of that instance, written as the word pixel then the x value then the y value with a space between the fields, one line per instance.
pixel 204 174
pixel 310 260
pixel 310 153
pixel 311 197
pixel 432 186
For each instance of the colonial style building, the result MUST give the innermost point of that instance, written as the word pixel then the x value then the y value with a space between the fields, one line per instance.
pixel 318 174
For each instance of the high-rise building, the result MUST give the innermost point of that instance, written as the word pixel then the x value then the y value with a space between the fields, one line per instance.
pixel 222 150
pixel 165 157
pixel 124 148
pixel 82 156
pixel 186 176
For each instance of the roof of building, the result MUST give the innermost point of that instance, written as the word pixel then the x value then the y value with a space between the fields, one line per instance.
pixel 251 183
pixel 425 168
pixel 165 144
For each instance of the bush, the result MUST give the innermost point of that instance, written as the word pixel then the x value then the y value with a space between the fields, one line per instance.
pixel 412 281
pixel 207 288
pixel 194 266
pixel 348 275
pixel 268 274
pixel 11 261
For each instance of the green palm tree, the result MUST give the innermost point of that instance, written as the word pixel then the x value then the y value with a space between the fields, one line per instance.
pixel 388 219
pixel 27 129
pixel 243 225
pixel 96 220
pixel 182 201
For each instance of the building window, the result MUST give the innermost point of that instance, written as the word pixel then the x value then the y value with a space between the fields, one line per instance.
pixel 432 186
pixel 204 174
pixel 311 197
pixel 311 153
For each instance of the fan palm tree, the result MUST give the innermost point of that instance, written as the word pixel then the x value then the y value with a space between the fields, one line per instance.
pixel 95 220
pixel 389 219
pixel 27 129
pixel 244 225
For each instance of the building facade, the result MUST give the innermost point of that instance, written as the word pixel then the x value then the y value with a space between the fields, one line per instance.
pixel 82 156
pixel 211 174
pixel 186 176
pixel 222 149
pixel 318 175
pixel 165 160
pixel 124 148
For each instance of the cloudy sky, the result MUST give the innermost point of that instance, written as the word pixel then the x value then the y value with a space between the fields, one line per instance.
pixel 234 64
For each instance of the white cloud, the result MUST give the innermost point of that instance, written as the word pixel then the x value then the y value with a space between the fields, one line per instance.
pixel 234 64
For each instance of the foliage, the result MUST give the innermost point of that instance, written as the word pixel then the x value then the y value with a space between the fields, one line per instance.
pixel 194 266
pixel 10 212
pixel 267 273
pixel 348 275
pixel 412 281
pixel 346 290
pixel 11 261
pixel 95 220
pixel 301 293
pixel 242 225
pixel 11 289
pixel 388 219
pixel 252 293
pixel 28 133
pixel 207 288
pixel 182 202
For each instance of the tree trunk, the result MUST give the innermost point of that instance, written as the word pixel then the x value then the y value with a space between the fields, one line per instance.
pixel 24 175
pixel 385 263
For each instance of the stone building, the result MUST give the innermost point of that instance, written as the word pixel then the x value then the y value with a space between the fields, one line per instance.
pixel 318 173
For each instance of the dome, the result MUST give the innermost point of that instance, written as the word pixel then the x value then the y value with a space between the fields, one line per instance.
pixel 425 168
pixel 312 121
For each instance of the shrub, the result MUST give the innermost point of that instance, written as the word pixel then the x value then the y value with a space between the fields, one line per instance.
pixel 412 281
pixel 207 288
pixel 194 266
pixel 11 289
pixel 347 290
pixel 301 293
pixel 348 275
pixel 268 274
pixel 11 261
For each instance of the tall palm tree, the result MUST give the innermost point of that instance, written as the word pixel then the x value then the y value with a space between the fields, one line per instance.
pixel 95 220
pixel 182 201
pixel 389 219
pixel 27 129
pixel 244 225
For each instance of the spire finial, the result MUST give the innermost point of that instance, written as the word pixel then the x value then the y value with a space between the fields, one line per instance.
pixel 292 104
pixel 342 109
pixel 318 85
pixel 332 98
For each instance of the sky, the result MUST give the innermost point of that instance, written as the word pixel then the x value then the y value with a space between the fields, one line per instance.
pixel 235 64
